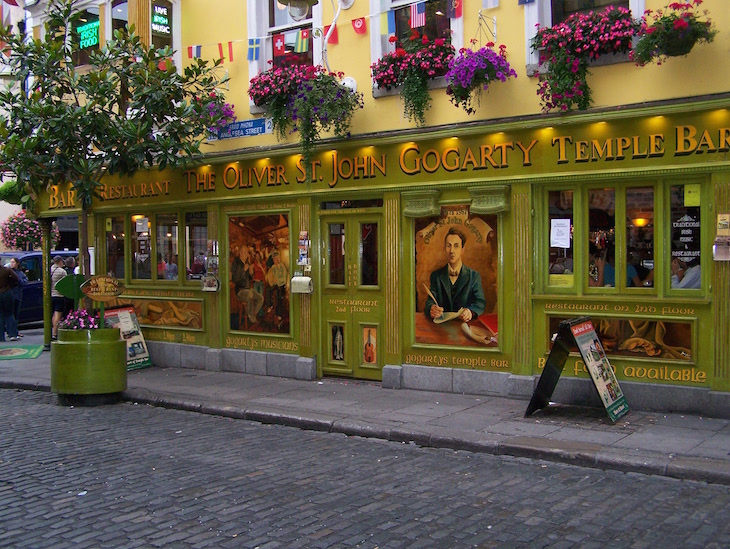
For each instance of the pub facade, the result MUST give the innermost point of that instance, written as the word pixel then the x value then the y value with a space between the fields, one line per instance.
pixel 620 213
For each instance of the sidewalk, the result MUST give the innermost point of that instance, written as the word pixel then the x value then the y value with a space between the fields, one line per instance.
pixel 674 445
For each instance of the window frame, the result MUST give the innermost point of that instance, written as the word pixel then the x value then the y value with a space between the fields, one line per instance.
pixel 180 244
pixel 662 234
pixel 540 12
pixel 258 27
pixel 379 44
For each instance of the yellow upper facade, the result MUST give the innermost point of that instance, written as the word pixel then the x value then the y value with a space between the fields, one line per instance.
pixel 209 28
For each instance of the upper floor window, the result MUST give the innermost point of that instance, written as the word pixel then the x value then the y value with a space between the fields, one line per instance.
pixel 162 23
pixel 120 17
pixel 551 12
pixel 433 22
pixel 291 40
pixel 405 17
pixel 562 9
pixel 86 36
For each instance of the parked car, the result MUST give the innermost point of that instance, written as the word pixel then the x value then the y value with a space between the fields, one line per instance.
pixel 31 263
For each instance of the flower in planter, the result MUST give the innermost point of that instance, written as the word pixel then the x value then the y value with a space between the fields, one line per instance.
pixel 80 320
pixel 410 68
pixel 21 232
pixel 307 99
pixel 567 49
pixel 671 32
pixel 471 71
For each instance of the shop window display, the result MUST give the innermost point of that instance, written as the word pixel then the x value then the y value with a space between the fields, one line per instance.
pixel 456 279
pixel 259 273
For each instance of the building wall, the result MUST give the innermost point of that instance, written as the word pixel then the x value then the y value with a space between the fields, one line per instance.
pixel 664 128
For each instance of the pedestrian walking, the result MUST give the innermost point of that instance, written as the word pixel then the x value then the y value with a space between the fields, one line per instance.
pixel 58 302
pixel 8 280
pixel 18 290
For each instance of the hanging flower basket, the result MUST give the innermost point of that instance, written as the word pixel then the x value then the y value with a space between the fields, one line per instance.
pixel 672 32
pixel 567 49
pixel 471 72
pixel 411 68
pixel 20 232
pixel 307 99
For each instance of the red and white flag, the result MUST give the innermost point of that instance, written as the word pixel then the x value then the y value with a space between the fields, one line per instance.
pixel 359 25
pixel 333 39
pixel 418 15
pixel 279 45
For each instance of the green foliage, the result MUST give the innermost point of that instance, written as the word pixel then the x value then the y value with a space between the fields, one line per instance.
pixel 130 110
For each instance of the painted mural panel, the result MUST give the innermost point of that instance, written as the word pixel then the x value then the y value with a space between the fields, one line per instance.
pixel 456 279
pixel 259 273
pixel 657 339
pixel 163 312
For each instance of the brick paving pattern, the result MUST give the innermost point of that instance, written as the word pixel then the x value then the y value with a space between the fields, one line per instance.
pixel 137 476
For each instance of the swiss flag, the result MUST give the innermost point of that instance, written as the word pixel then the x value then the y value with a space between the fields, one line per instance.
pixel 359 25
pixel 279 45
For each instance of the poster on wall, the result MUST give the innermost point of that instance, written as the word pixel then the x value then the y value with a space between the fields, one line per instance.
pixel 260 269
pixel 126 320
pixel 456 279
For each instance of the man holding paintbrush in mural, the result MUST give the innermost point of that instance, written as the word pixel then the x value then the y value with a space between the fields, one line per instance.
pixel 455 288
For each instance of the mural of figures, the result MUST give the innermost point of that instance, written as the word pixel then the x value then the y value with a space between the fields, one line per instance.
pixel 259 273
pixel 456 279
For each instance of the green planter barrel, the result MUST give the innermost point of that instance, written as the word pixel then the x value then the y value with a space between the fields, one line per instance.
pixel 89 367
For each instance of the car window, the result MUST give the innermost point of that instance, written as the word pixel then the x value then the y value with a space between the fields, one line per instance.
pixel 30 266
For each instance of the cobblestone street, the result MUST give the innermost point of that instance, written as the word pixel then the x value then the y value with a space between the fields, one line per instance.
pixel 138 476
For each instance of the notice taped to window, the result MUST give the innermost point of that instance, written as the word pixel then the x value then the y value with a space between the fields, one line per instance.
pixel 125 319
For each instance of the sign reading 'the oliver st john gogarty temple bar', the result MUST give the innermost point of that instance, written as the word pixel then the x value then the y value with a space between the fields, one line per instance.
pixel 448 158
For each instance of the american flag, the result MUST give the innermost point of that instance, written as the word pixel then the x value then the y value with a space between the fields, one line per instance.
pixel 418 15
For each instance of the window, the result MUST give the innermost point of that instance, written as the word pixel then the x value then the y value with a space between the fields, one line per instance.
pixel 291 40
pixel 115 246
pixel 168 258
pixel 167 255
pixel 617 234
pixel 196 244
pixel 161 22
pixel 550 12
pixel 142 249
pixel 562 9
pixel 436 22
pixel 120 17
pixel 86 36
pixel 437 25
pixel 269 23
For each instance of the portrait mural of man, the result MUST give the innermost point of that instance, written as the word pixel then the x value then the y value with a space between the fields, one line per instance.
pixel 259 273
pixel 456 278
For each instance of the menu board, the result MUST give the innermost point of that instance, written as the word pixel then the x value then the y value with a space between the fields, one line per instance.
pixel 581 333
pixel 125 319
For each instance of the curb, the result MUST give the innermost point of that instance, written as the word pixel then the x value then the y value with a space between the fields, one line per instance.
pixel 570 453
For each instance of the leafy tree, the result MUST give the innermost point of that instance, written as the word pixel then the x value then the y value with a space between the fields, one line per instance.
pixel 129 110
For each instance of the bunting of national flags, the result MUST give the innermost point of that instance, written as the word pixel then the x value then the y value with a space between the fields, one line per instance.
pixel 454 10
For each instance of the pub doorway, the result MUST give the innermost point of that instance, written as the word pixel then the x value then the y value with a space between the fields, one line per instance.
pixel 353 287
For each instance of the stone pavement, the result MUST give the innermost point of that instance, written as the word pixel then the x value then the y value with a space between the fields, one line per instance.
pixel 675 445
